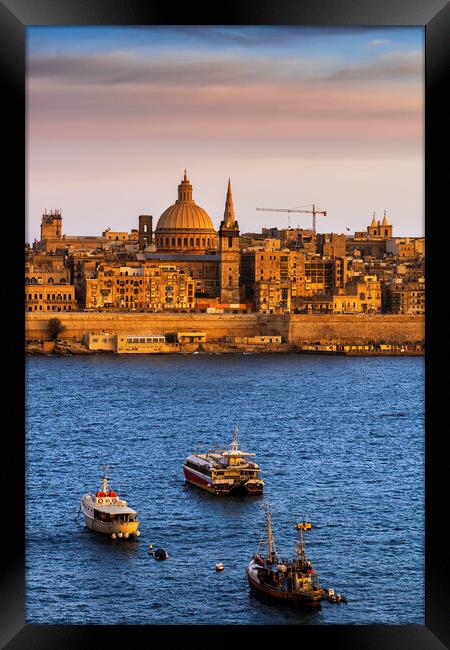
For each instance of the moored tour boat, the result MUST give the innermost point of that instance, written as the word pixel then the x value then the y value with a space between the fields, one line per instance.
pixel 224 471
pixel 292 581
pixel 105 512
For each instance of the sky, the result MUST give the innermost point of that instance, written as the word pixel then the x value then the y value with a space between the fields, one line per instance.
pixel 293 115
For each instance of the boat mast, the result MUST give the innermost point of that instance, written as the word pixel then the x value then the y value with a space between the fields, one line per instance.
pixel 301 526
pixel 234 446
pixel 105 479
pixel 270 542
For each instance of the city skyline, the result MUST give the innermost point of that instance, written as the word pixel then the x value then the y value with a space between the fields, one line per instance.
pixel 331 116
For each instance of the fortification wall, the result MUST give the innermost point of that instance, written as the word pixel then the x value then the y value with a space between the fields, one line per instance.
pixel 214 325
pixel 294 328
pixel 356 328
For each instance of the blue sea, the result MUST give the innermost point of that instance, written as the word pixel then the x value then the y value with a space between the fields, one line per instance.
pixel 340 441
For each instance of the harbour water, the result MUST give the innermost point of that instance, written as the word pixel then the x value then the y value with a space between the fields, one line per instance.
pixel 340 441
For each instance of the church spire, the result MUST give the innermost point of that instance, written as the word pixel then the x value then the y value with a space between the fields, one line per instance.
pixel 374 222
pixel 228 216
pixel 385 221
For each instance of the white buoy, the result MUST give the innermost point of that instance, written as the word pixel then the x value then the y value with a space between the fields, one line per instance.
pixel 119 534
pixel 113 536
pixel 137 533
pixel 126 535
pixel 219 566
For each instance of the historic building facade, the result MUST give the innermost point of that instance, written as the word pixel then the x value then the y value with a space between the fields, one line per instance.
pixel 186 265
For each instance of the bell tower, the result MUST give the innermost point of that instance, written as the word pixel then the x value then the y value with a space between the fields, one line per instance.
pixel 386 228
pixel 145 231
pixel 229 253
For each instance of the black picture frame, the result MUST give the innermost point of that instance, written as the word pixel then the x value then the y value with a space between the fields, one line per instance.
pixel 434 16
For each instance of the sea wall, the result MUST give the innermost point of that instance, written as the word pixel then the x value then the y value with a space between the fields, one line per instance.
pixel 214 325
pixel 294 328
pixel 356 328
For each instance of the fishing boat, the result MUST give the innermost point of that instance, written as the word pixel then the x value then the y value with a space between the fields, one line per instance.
pixel 293 581
pixel 224 471
pixel 105 512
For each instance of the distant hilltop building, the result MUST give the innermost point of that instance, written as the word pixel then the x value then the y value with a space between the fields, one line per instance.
pixel 373 242
pixel 380 230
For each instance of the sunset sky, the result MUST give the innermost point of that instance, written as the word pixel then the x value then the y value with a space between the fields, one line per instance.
pixel 331 116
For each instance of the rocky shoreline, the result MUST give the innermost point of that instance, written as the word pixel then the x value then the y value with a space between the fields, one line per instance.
pixel 56 347
pixel 74 347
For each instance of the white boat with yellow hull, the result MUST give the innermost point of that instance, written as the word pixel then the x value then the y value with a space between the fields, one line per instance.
pixel 105 512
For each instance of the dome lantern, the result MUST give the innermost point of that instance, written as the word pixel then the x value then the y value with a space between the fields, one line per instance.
pixel 185 190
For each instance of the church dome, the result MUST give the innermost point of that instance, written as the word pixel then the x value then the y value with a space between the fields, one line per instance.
pixel 185 216
pixel 185 226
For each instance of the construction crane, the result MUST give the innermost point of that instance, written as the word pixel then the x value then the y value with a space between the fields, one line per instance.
pixel 314 211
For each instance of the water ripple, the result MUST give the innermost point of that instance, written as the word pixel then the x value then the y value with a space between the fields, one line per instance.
pixel 339 440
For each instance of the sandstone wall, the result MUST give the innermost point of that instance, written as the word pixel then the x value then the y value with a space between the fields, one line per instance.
pixel 294 328
pixel 214 325
pixel 356 328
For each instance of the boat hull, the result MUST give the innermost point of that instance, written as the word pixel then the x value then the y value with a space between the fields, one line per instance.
pixel 248 488
pixel 108 528
pixel 296 598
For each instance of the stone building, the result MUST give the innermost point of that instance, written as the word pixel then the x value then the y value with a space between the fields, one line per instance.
pixel 373 242
pixel 405 297
pixel 377 229
pixel 331 245
pixel 406 247
pixel 149 287
pixel 48 284
pixel 145 232
pixel 273 297
pixel 229 254
pixel 278 280
pixel 50 297
pixel 359 296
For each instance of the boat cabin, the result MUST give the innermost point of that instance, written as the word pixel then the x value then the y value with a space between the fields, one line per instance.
pixel 115 517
